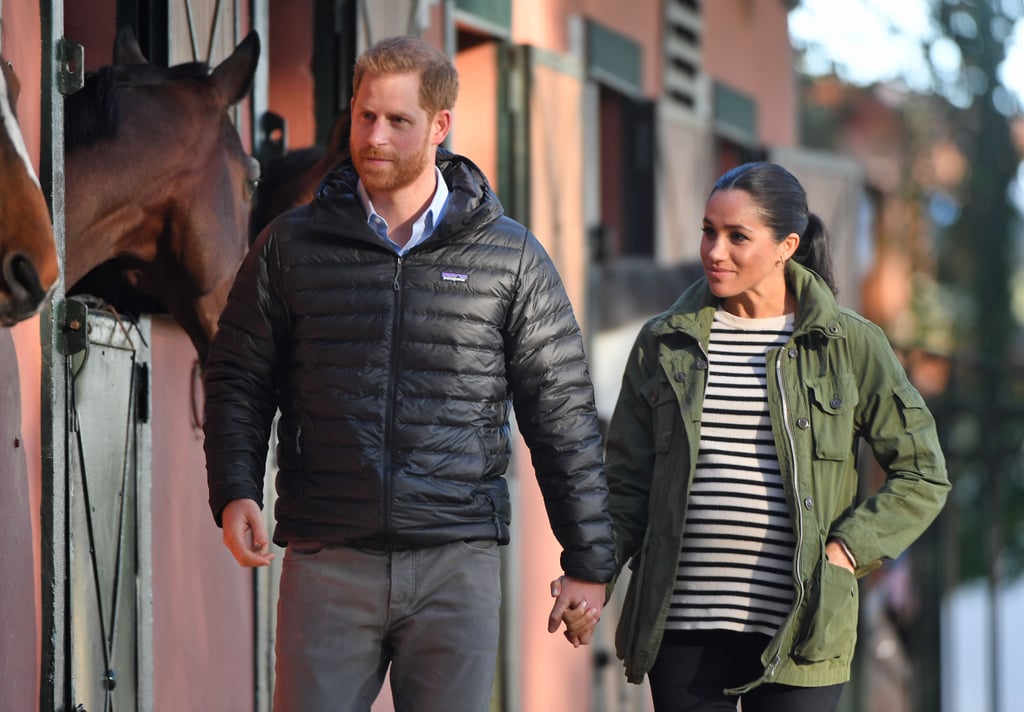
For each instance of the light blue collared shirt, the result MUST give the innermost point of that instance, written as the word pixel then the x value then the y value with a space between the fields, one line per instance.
pixel 425 224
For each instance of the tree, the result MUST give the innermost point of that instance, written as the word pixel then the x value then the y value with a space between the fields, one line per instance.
pixel 977 258
pixel 974 239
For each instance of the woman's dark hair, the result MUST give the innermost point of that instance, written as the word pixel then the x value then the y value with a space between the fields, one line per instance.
pixel 782 202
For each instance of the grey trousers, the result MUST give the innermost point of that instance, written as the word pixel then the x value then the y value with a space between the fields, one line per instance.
pixel 344 615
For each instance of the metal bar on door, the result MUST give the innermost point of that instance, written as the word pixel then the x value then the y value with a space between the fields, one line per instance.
pixel 55 683
pixel 213 33
pixel 191 30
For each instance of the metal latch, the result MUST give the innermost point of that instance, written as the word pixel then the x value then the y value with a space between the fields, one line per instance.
pixel 70 66
pixel 76 327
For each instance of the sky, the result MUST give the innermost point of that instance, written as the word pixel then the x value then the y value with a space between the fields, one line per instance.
pixel 880 40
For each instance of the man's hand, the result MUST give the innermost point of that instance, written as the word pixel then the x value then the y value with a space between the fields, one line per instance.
pixel 245 535
pixel 580 623
pixel 578 603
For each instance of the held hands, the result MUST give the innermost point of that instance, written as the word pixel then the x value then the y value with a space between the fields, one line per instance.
pixel 578 604
pixel 245 534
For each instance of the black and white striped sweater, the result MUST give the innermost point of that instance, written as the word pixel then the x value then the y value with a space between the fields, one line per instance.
pixel 734 567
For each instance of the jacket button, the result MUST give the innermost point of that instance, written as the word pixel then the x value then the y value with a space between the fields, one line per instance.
pixel 833 329
pixel 835 403
pixel 803 423
pixel 809 503
pixel 680 377
pixel 793 352
pixel 702 365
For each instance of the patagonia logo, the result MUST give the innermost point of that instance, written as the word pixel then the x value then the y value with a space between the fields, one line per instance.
pixel 454 277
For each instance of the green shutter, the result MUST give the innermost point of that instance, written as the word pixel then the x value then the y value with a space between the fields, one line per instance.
pixel 735 113
pixel 493 12
pixel 614 59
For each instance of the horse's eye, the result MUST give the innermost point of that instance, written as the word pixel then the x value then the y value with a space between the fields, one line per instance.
pixel 251 185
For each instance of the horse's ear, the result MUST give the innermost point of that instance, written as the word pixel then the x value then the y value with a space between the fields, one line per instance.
pixel 233 76
pixel 126 48
pixel 337 139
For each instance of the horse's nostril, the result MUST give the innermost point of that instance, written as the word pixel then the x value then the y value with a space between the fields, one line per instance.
pixel 22 274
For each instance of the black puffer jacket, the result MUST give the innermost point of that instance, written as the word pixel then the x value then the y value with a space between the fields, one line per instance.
pixel 394 377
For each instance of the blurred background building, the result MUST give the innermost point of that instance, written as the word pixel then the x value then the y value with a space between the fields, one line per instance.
pixel 602 125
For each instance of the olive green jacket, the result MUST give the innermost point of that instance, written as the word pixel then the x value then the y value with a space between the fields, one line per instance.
pixel 836 381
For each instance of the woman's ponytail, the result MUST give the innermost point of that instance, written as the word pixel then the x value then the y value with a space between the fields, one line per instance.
pixel 814 252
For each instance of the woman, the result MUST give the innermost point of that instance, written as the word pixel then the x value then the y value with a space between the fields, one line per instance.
pixel 732 471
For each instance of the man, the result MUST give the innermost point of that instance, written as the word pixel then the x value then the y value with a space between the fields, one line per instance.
pixel 393 321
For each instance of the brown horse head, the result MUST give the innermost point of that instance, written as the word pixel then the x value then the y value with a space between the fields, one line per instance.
pixel 159 187
pixel 28 254
pixel 290 180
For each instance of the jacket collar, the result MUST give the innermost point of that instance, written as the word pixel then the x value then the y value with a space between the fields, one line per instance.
pixel 472 202
pixel 817 308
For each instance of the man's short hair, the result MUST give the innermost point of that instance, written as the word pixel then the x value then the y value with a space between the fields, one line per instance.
pixel 439 82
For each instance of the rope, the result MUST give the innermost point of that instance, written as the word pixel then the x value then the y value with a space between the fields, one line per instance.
pixel 129 454
pixel 87 501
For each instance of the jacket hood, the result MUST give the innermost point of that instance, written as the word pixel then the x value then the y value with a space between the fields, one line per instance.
pixel 817 310
pixel 471 201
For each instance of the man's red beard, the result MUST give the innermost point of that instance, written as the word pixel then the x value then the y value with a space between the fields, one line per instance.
pixel 399 173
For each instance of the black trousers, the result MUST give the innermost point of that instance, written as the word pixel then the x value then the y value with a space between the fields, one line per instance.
pixel 694 667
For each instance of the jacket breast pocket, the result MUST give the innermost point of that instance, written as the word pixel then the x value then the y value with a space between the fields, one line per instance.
pixel 833 404
pixel 661 399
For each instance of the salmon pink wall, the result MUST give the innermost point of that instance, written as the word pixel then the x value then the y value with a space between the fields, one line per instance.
pixel 545 23
pixel 748 49
pixel 290 57
pixel 20 446
pixel 202 599
pixel 474 129
pixel 554 675
pixel 20 610
pixel 92 25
